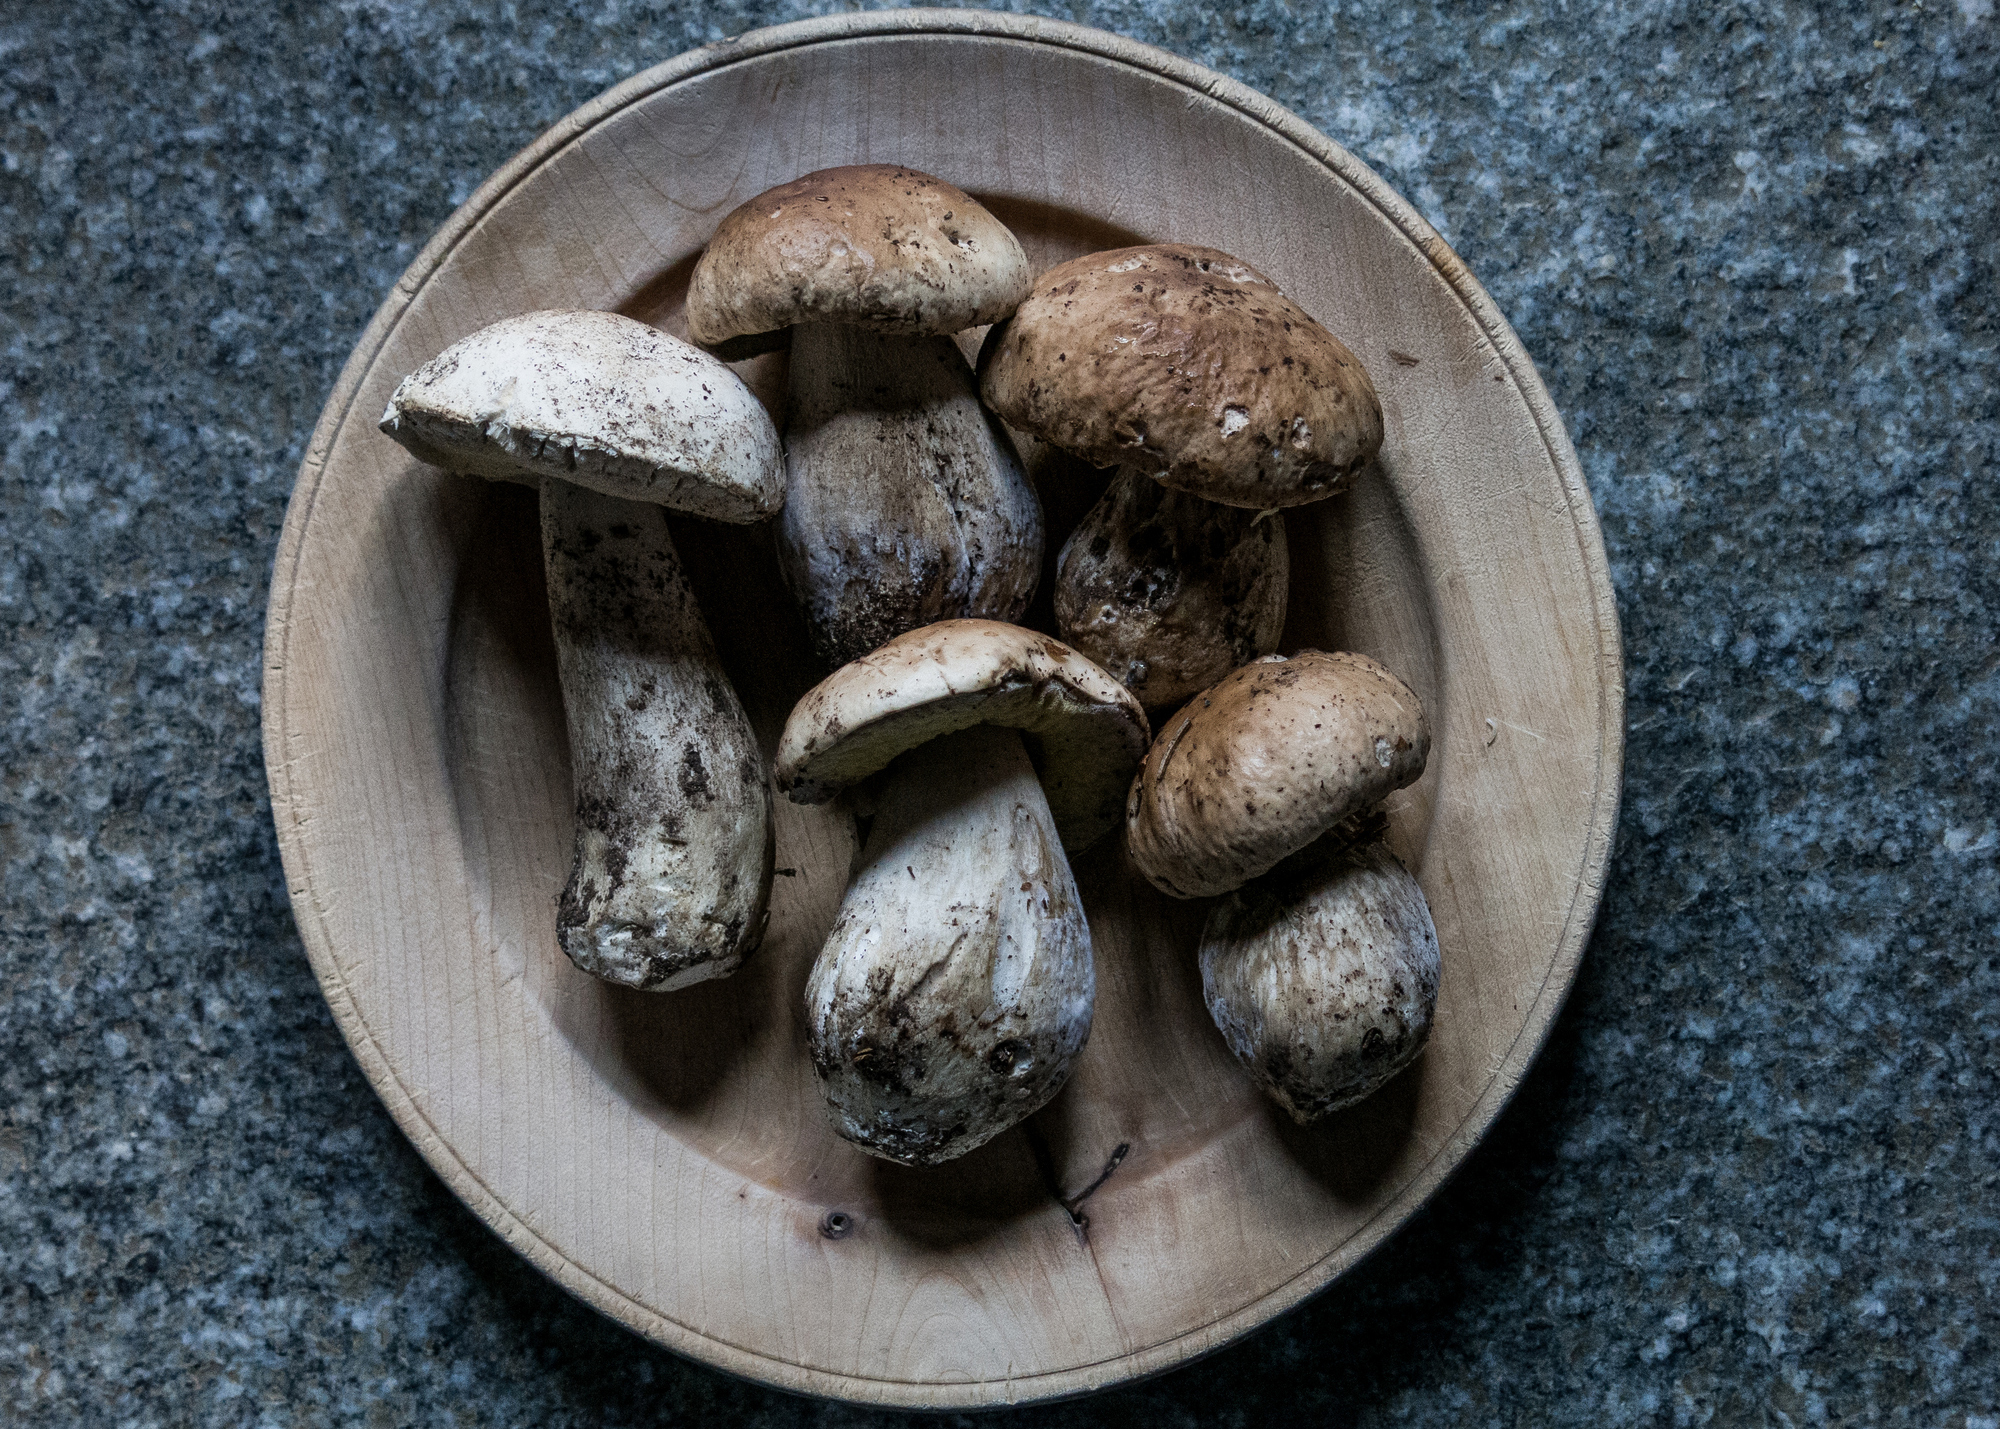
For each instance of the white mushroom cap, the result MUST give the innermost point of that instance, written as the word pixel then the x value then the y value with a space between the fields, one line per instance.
pixel 1084 730
pixel 599 400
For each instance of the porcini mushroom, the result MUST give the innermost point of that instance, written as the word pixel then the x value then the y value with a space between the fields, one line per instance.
pixel 956 987
pixel 617 423
pixel 1191 367
pixel 1277 754
pixel 905 500
pixel 1321 966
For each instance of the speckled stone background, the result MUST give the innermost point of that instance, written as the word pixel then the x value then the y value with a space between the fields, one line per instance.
pixel 1753 1179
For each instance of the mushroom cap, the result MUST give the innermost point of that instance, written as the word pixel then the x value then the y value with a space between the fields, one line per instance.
pixel 1267 761
pixel 1169 592
pixel 871 245
pixel 1323 977
pixel 1084 731
pixel 1190 365
pixel 598 400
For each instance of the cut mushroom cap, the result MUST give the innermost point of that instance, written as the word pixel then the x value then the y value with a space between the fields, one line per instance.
pixel 1266 762
pixel 872 245
pixel 598 400
pixel 1323 976
pixel 1169 592
pixel 1085 731
pixel 1190 365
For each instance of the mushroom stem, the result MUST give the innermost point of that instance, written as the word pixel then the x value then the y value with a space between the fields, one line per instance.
pixel 905 501
pixel 1323 975
pixel 956 987
pixel 672 873
pixel 1170 592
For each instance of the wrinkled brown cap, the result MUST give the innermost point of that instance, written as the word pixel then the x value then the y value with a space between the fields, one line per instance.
pixel 871 245
pixel 1266 761
pixel 1190 365
pixel 1083 729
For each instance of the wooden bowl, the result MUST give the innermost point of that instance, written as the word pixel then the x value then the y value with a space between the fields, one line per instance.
pixel 665 1158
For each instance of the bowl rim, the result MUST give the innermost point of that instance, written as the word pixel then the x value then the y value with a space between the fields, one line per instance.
pixel 1540 1016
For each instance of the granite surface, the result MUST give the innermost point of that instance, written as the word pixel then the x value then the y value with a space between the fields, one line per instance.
pixel 1752 1180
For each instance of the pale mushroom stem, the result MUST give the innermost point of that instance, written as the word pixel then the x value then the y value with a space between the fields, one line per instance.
pixel 671 878
pixel 906 503
pixel 956 987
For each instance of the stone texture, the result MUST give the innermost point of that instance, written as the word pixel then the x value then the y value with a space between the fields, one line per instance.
pixel 1752 1179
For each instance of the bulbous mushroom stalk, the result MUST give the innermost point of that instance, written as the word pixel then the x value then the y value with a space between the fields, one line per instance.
pixel 1320 966
pixel 616 422
pixel 909 503
pixel 1169 592
pixel 1322 976
pixel 905 501
pixel 956 988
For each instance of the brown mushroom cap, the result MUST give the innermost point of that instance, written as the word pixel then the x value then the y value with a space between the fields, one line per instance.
pixel 1084 731
pixel 872 245
pixel 1190 365
pixel 1265 762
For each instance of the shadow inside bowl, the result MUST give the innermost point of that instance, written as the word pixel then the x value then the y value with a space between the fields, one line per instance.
pixel 506 753
pixel 962 1201
pixel 1350 1153
pixel 674 1050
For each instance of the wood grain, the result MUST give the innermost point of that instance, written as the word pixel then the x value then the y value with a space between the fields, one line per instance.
pixel 665 1158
